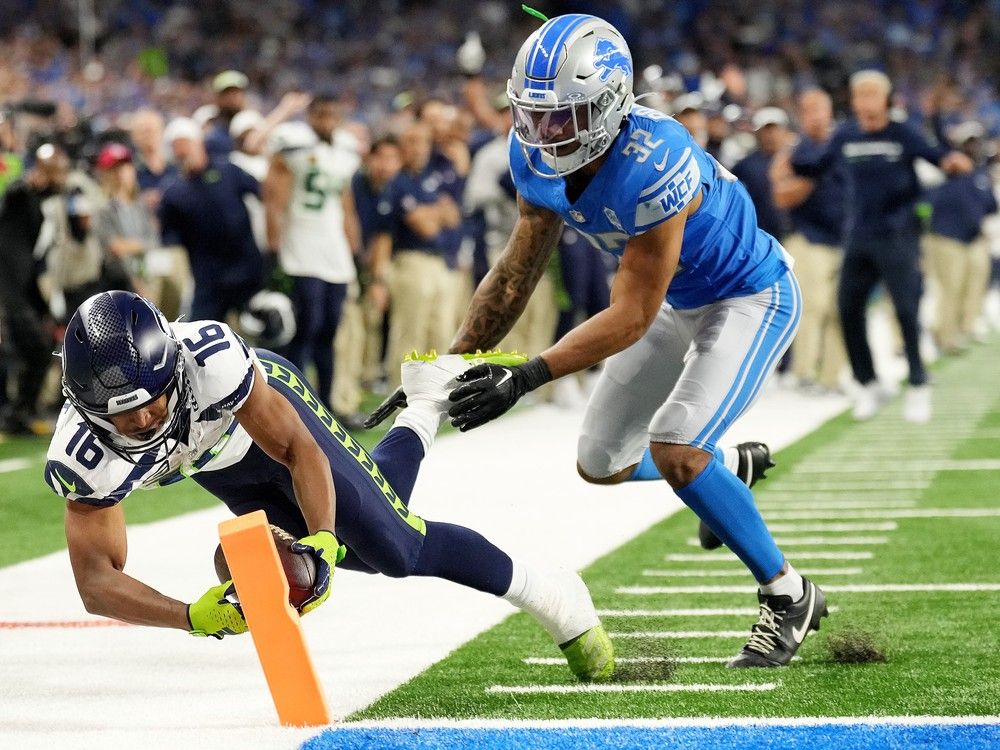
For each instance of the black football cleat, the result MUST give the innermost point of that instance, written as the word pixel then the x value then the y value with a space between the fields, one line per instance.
pixel 754 461
pixel 781 628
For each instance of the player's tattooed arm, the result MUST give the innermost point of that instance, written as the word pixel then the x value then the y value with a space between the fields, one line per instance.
pixel 503 294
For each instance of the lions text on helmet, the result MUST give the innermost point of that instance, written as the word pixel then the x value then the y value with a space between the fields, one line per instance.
pixel 570 89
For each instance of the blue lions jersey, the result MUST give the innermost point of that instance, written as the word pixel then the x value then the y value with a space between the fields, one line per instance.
pixel 653 170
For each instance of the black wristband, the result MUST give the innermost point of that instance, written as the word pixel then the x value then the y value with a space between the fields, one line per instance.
pixel 536 373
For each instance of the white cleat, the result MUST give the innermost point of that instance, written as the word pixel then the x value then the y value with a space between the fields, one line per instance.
pixel 917 406
pixel 431 380
pixel 431 377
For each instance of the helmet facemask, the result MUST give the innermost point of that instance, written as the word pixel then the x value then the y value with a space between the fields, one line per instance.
pixel 168 436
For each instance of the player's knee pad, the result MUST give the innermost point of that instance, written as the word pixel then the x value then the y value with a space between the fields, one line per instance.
pixel 597 461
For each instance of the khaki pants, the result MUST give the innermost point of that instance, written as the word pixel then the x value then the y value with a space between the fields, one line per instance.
pixel 169 280
pixel 962 274
pixel 371 368
pixel 819 346
pixel 422 294
pixel 348 347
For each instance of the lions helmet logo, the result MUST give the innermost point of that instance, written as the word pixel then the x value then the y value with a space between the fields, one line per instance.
pixel 608 58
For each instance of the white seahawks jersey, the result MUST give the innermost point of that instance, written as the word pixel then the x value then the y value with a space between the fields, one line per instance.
pixel 220 371
pixel 314 242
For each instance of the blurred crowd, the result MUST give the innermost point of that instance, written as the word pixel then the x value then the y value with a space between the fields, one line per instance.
pixel 330 176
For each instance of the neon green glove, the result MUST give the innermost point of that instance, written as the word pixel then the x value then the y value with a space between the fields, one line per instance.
pixel 213 614
pixel 327 552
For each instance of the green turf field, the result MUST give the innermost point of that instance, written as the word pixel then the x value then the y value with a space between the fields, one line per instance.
pixel 940 646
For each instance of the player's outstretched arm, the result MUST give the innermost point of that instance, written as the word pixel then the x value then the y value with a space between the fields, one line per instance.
pixel 275 426
pixel 502 295
pixel 97 549
pixel 648 264
pixel 639 288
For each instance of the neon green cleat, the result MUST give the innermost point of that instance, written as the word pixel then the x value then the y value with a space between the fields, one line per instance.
pixel 493 357
pixel 591 655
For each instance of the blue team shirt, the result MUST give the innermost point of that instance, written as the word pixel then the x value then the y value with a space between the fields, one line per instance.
pixel 404 193
pixel 820 217
pixel 653 170
pixel 205 212
pixel 373 210
pixel 881 184
pixel 960 204
pixel 753 171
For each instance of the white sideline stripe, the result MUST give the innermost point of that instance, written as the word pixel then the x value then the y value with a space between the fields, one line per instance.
pixel 845 588
pixel 761 687
pixel 679 634
pixel 932 466
pixel 730 557
pixel 14 464
pixel 810 541
pixel 808 514
pixel 734 572
pixel 883 526
pixel 709 721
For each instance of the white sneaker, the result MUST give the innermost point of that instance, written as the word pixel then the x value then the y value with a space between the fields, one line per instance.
pixel 917 404
pixel 868 400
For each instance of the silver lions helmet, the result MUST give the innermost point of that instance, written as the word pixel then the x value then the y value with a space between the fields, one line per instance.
pixel 570 89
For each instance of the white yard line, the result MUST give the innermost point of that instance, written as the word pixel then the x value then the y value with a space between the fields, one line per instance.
pixel 761 687
pixel 805 486
pixel 687 612
pixel 553 661
pixel 798 527
pixel 15 464
pixel 791 502
pixel 730 557
pixel 880 469
pixel 813 541
pixel 807 514
pixel 677 634
pixel 734 572
pixel 848 588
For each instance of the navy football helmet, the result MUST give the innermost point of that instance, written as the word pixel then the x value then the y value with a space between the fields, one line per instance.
pixel 119 354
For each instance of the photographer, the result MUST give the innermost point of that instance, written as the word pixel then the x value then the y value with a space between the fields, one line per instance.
pixel 24 316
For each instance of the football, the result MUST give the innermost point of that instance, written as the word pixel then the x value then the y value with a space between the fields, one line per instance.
pixel 300 569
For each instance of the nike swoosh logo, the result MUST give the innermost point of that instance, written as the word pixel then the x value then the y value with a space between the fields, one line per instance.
pixel 659 167
pixel 507 375
pixel 797 634
pixel 64 483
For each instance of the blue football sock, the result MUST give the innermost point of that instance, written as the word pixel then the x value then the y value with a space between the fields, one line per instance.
pixel 723 502
pixel 646 470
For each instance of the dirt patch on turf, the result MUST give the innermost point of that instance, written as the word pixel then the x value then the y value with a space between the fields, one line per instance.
pixel 854 647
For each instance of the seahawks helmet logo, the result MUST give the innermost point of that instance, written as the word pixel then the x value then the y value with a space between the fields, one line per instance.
pixel 608 58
